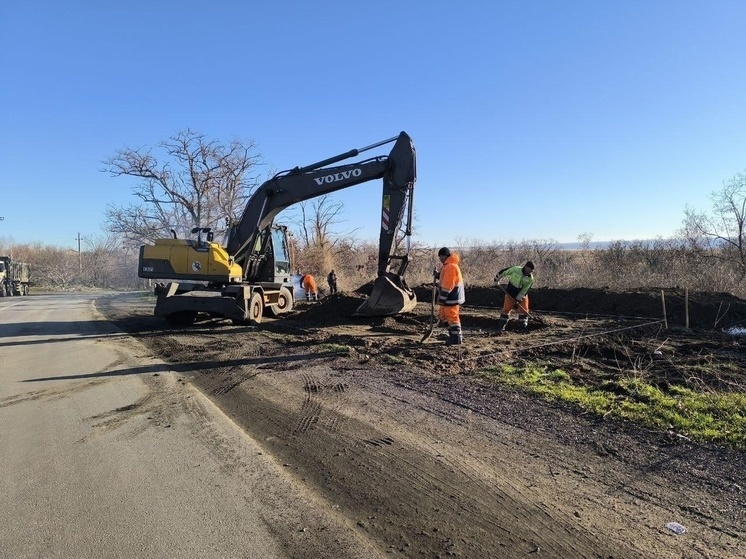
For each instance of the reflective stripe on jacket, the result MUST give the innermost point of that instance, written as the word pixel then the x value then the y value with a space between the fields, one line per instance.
pixel 452 290
pixel 518 284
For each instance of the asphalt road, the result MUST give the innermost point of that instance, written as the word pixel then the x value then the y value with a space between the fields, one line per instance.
pixel 105 452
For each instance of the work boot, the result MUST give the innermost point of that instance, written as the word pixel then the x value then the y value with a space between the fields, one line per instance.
pixel 523 322
pixel 454 335
pixel 502 322
pixel 455 339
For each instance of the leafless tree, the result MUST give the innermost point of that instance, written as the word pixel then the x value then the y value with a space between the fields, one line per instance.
pixel 105 263
pixel 316 220
pixel 196 183
pixel 720 234
pixel 55 267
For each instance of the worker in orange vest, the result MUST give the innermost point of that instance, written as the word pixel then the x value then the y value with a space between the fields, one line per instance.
pixel 309 284
pixel 452 295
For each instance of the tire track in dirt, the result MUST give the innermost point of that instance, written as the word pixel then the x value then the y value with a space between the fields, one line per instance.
pixel 48 393
pixel 161 406
pixel 319 397
pixel 407 498
pixel 586 488
pixel 495 506
pixel 170 397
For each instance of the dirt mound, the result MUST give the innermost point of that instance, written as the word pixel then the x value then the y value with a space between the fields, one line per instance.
pixel 339 310
pixel 365 289
pixel 707 310
pixel 332 310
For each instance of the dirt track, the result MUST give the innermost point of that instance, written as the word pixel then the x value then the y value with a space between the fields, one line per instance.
pixel 403 439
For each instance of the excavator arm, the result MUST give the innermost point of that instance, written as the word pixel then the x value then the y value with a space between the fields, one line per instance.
pixel 398 171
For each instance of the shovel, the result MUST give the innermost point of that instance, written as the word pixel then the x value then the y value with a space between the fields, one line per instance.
pixel 429 332
pixel 528 314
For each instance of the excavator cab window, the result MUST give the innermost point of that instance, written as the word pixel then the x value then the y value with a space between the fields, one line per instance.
pixel 259 243
pixel 282 261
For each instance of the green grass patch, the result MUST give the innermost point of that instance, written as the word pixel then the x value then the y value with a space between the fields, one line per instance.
pixel 390 359
pixel 704 416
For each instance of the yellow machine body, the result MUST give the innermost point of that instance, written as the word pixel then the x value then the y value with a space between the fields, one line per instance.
pixel 186 259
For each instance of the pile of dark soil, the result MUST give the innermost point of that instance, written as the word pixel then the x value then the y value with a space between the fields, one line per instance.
pixel 339 309
pixel 707 310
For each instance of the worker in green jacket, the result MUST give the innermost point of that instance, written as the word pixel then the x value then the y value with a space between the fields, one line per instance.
pixel 520 280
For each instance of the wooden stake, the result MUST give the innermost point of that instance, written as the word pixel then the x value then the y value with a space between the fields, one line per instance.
pixel 686 307
pixel 663 302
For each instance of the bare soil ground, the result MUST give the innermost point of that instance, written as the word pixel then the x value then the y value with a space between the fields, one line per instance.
pixel 424 458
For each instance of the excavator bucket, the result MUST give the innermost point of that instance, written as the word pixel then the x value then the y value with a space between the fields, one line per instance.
pixel 390 296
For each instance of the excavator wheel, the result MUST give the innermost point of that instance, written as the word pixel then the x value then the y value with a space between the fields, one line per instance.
pixel 284 303
pixel 256 308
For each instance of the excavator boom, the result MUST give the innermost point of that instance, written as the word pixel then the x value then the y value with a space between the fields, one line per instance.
pixel 390 294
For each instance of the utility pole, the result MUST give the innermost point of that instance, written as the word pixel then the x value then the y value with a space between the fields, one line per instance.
pixel 80 259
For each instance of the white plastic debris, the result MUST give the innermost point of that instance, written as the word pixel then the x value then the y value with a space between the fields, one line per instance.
pixel 735 331
pixel 676 528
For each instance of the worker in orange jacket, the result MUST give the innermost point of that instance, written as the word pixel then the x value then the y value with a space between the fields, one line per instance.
pixel 309 284
pixel 452 295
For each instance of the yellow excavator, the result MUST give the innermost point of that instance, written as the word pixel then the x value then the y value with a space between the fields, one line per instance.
pixel 251 275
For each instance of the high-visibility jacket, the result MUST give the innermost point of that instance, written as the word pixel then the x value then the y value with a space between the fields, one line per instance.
pixel 308 283
pixel 452 290
pixel 518 284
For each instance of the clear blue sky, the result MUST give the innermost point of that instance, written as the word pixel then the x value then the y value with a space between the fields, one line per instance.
pixel 531 119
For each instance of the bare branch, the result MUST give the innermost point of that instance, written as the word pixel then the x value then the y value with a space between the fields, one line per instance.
pixel 196 183
pixel 721 233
